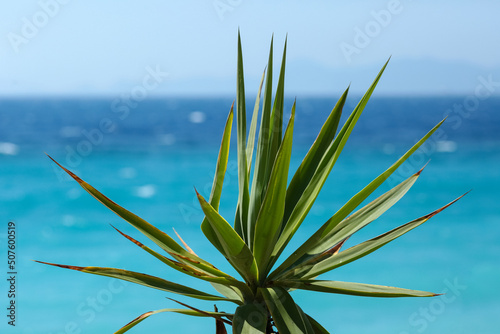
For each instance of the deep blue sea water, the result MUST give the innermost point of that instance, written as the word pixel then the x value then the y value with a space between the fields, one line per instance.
pixel 149 156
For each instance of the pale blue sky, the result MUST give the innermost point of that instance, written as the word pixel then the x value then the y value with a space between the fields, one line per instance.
pixel 56 47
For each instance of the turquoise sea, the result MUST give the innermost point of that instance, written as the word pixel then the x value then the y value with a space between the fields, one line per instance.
pixel 148 156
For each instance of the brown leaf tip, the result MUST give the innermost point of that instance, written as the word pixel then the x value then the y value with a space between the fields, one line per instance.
pixel 432 214
pixel 62 266
pixel 74 176
pixel 128 237
pixel 421 169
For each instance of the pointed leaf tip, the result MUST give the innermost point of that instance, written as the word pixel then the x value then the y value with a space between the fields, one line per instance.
pixel 128 237
pixel 62 265
pixel 184 243
pixel 74 176
pixel 422 169
pixel 432 214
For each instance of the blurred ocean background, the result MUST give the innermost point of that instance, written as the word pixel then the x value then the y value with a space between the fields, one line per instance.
pixel 147 156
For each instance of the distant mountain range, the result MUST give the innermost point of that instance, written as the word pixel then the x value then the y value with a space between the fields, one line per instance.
pixel 305 77
pixel 402 77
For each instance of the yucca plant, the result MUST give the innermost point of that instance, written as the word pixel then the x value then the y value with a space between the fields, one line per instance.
pixel 269 212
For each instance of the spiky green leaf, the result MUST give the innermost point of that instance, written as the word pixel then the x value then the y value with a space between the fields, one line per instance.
pixel 367 247
pixel 191 271
pixel 311 192
pixel 234 248
pixel 157 236
pixel 355 289
pixel 311 161
pixel 268 224
pixel 260 179
pixel 243 198
pixel 220 171
pixel 143 279
pixel 309 178
pixel 276 126
pixel 350 225
pixel 253 126
pixel 317 238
